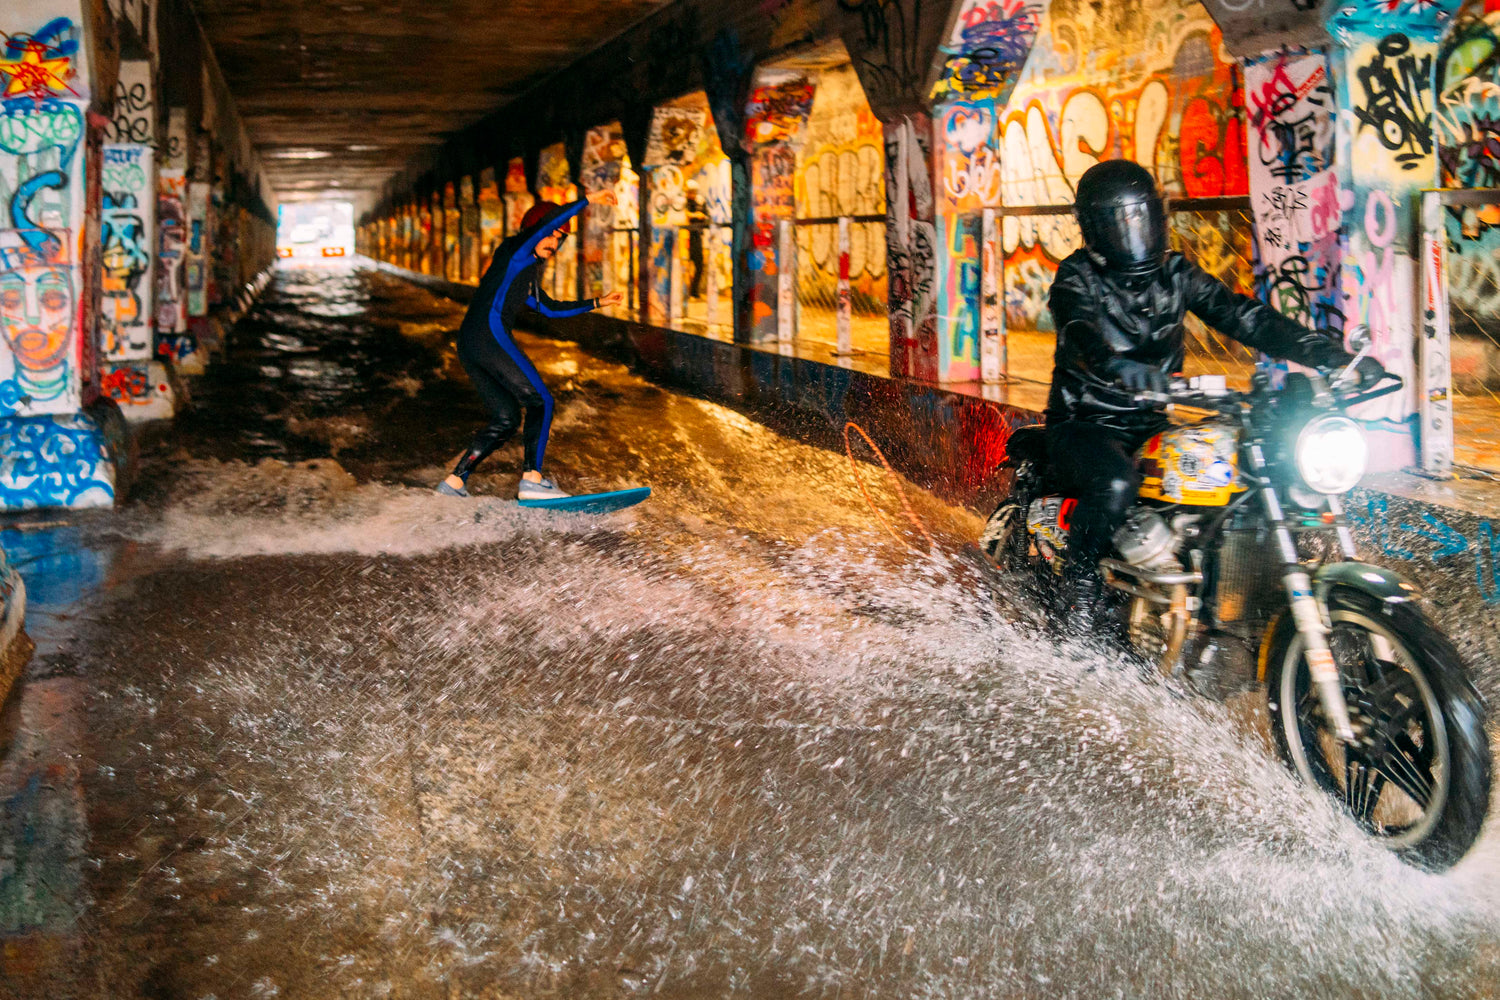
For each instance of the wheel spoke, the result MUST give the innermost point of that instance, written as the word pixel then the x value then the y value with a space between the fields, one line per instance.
pixel 1362 787
pixel 1408 768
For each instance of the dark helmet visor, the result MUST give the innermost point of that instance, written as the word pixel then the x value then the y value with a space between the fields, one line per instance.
pixel 1132 237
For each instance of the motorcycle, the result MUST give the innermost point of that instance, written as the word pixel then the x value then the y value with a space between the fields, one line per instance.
pixel 1368 700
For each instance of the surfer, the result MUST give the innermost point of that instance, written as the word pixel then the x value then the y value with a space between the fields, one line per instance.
pixel 504 376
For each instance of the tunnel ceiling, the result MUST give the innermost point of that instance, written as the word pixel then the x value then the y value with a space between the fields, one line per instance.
pixel 340 96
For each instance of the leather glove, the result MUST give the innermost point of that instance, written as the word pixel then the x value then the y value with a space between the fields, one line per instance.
pixel 1368 371
pixel 1138 377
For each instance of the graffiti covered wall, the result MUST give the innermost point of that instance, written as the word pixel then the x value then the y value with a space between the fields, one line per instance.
pixel 127 238
pixel 491 218
pixel 1294 188
pixel 1467 120
pixel 172 339
pixel 1149 82
pixel 840 171
pixel 46 219
pixel 1387 155
pixel 684 157
pixel 606 167
pixel 518 196
pixel 779 106
pixel 468 230
pixel 911 247
pixel 555 184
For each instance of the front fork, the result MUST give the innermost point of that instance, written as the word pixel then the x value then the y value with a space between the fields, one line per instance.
pixel 1308 614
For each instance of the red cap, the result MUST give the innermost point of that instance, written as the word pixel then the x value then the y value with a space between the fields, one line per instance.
pixel 536 213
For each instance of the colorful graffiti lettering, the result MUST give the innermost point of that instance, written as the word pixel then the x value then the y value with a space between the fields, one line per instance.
pixel 126 238
pixel 778 108
pixel 1467 116
pixel 40 66
pixel 1395 83
pixel 990 42
pixel 45 301
pixel 971 164
pixel 1294 189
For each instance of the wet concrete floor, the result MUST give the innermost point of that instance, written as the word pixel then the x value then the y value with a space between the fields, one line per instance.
pixel 298 727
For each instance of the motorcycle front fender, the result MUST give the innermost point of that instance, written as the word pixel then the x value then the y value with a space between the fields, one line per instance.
pixel 1385 585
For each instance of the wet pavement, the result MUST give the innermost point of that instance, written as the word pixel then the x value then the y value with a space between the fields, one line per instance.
pixel 300 728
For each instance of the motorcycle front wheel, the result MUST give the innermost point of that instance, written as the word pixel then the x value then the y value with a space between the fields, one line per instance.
pixel 1417 777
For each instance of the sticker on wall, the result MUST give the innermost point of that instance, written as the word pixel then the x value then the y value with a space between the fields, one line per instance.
pixel 675 135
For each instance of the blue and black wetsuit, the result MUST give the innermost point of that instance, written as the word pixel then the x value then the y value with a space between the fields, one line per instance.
pixel 506 379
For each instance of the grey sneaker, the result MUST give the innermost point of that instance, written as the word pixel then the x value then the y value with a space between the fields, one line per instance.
pixel 544 490
pixel 443 489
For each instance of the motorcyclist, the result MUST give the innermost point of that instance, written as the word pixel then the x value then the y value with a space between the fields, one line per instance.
pixel 1118 306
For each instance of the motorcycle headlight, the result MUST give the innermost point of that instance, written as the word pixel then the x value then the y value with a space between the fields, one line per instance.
pixel 1331 454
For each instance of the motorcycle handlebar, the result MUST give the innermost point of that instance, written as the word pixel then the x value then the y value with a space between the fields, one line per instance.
pixel 1180 392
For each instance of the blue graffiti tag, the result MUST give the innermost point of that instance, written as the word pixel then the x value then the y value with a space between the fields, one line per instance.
pixel 1486 544
pixel 1450 542
pixel 54 461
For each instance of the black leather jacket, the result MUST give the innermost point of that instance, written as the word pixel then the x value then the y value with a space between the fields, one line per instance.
pixel 1103 326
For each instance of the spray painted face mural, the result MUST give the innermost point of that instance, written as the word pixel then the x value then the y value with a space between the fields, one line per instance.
pixel 37 314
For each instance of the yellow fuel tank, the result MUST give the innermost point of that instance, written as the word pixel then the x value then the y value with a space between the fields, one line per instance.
pixel 1198 465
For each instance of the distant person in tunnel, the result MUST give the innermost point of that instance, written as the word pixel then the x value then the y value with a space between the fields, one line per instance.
pixel 697 218
pixel 506 379
pixel 1118 305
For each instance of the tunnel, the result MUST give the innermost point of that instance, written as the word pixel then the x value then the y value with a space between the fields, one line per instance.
pixel 567 499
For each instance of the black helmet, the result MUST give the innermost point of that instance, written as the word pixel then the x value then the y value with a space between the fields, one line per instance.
pixel 1122 218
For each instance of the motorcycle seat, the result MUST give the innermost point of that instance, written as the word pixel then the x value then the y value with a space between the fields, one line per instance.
pixel 1027 444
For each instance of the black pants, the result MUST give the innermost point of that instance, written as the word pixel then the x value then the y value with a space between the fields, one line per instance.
pixel 1098 467
pixel 509 385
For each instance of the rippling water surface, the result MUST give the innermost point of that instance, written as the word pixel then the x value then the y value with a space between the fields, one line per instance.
pixel 351 739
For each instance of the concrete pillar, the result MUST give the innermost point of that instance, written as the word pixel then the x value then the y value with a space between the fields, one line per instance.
pixel 173 341
pixel 468 220
pixel 127 249
pixel 911 247
pixel 55 448
pixel 1385 135
pixel 1294 186
pixel 727 75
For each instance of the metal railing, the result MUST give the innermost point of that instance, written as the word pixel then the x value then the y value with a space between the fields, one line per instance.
pixel 841 282
pixel 692 276
pixel 1458 315
pixel 1022 245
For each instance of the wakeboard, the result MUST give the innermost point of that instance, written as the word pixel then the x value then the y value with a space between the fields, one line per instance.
pixel 593 503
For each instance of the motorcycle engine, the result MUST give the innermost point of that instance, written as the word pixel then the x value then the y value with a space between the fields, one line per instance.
pixel 1145 540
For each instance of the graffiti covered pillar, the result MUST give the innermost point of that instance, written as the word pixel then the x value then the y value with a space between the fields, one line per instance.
pixel 1294 187
pixel 173 342
pixel 775 119
pixel 1386 50
pixel 127 239
pixel 728 73
pixel 630 276
pixel 468 222
pixel 491 220
pixel 911 247
pixel 894 46
pixel 53 451
pixel 982 57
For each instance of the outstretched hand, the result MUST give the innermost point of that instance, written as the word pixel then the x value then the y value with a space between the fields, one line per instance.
pixel 604 197
pixel 612 299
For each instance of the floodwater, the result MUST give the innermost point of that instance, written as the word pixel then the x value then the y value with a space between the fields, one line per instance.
pixel 340 737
